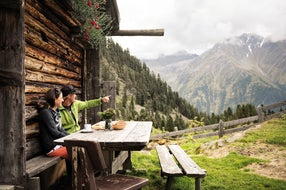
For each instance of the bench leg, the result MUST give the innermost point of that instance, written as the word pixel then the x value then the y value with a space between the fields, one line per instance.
pixel 198 183
pixel 169 182
pixel 33 183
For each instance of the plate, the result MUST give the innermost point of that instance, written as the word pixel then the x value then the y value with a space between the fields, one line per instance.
pixel 86 131
pixel 98 126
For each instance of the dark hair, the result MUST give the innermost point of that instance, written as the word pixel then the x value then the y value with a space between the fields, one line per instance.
pixel 68 89
pixel 52 95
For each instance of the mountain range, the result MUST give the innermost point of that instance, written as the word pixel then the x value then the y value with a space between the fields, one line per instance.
pixel 246 69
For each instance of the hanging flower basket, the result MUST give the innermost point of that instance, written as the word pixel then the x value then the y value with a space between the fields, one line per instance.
pixel 96 24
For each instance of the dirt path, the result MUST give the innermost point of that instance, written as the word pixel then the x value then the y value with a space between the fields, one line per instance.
pixel 275 167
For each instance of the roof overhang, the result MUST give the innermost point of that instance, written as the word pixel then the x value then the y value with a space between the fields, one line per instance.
pixel 112 9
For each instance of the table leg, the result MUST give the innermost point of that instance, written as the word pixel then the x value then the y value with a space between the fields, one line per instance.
pixel 108 157
pixel 128 163
pixel 116 160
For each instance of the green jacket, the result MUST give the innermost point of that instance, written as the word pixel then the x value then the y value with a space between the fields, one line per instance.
pixel 69 124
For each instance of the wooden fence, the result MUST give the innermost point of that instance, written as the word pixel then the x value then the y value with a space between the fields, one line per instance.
pixel 222 128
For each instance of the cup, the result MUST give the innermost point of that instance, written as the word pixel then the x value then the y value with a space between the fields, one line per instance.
pixel 87 127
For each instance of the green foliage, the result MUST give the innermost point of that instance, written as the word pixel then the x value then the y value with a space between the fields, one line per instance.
pixel 107 114
pixel 195 123
pixel 95 22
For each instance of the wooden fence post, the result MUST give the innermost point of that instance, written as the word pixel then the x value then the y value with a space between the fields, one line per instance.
pixel 261 116
pixel 220 129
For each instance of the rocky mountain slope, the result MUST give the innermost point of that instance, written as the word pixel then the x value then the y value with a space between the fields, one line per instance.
pixel 241 70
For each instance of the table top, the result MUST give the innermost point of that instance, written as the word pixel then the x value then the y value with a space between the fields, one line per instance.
pixel 134 136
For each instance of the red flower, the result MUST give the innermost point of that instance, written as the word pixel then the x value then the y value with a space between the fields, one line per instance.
pixel 89 3
pixel 96 6
pixel 93 23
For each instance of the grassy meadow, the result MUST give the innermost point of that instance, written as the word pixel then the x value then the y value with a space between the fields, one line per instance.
pixel 228 172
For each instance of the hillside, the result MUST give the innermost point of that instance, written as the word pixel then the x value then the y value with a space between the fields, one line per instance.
pixel 142 95
pixel 241 70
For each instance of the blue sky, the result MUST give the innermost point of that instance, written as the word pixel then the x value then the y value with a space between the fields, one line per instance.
pixel 196 25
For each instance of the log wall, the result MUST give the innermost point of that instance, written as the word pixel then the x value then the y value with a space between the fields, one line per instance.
pixel 40 48
pixel 53 58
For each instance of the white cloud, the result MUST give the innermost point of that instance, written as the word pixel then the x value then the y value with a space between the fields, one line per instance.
pixel 194 25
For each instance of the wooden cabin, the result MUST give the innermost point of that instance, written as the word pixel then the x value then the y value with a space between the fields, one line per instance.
pixel 40 48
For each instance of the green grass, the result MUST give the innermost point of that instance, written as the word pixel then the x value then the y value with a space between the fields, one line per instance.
pixel 272 132
pixel 226 173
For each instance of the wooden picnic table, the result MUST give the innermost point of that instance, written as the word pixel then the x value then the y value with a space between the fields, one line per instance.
pixel 117 144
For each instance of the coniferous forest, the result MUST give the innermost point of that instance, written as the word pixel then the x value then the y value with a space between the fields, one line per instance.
pixel 143 95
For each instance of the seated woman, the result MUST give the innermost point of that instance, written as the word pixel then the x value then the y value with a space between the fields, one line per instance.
pixel 51 126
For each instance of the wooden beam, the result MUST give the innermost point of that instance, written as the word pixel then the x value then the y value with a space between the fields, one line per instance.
pixel 11 4
pixel 150 32
pixel 91 82
pixel 12 94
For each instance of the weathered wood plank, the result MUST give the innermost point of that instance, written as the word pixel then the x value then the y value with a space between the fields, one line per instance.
pixel 45 57
pixel 33 148
pixel 32 88
pixel 32 130
pixel 38 19
pixel 40 163
pixel 167 162
pixel 240 121
pixel 12 123
pixel 37 14
pixel 275 105
pixel 182 132
pixel 237 129
pixel 62 13
pixel 50 43
pixel 37 65
pixel 205 135
pixel 189 167
pixel 10 77
pixel 150 32
pixel 118 161
pixel 46 78
pixel 30 112
pixel 275 115
pixel 92 83
pixel 34 99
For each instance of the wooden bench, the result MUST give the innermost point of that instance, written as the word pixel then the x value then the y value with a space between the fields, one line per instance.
pixel 40 163
pixel 175 162
pixel 36 166
pixel 87 157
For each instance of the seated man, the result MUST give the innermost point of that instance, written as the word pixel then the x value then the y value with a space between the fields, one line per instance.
pixel 70 108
